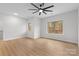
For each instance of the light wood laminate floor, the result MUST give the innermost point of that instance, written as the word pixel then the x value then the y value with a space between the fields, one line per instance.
pixel 38 47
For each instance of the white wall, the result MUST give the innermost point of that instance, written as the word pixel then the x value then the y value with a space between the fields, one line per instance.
pixel 70 27
pixel 37 28
pixel 1 28
pixel 1 35
pixel 78 26
pixel 13 27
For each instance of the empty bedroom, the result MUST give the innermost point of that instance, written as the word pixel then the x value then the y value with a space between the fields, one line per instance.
pixel 39 29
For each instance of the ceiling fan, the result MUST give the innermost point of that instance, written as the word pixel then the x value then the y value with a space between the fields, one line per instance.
pixel 40 9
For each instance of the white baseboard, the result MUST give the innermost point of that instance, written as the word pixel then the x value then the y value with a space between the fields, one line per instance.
pixel 60 40
pixel 18 37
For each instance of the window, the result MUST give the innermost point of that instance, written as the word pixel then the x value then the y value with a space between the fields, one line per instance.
pixel 55 27
pixel 29 27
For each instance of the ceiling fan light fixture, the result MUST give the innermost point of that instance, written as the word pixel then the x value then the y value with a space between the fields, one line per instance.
pixel 40 10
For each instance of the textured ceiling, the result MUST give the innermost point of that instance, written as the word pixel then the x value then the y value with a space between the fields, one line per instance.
pixel 22 9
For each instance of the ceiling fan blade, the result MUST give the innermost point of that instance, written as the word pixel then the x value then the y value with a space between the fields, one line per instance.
pixel 32 9
pixel 35 11
pixel 34 5
pixel 48 7
pixel 48 10
pixel 39 13
pixel 44 12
